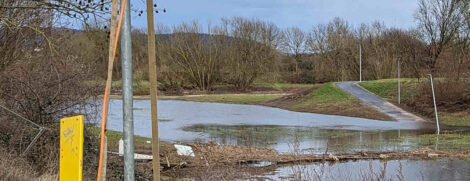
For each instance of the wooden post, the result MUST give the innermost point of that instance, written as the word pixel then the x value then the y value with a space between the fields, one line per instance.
pixel 153 90
pixel 105 159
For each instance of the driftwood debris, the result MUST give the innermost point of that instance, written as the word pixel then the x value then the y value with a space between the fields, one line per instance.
pixel 214 154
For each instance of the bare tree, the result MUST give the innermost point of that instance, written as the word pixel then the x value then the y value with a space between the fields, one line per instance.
pixel 25 23
pixel 440 20
pixel 251 50
pixel 197 54
pixel 294 40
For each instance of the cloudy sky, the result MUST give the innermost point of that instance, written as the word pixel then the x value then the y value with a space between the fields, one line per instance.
pixel 284 13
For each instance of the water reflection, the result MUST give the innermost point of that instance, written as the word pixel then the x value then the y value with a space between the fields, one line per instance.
pixel 443 169
pixel 308 140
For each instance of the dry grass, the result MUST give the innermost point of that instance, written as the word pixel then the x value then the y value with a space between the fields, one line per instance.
pixel 14 167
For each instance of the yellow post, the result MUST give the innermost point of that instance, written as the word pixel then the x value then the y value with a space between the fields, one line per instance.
pixel 71 148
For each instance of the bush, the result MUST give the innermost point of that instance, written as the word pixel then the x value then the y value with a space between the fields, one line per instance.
pixel 451 96
pixel 44 88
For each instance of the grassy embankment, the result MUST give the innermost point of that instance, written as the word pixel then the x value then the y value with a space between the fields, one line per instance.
pixel 388 89
pixel 329 99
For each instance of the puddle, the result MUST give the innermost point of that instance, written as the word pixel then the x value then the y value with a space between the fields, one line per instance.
pixel 262 126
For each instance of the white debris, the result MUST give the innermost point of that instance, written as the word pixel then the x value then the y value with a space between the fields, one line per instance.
pixel 432 155
pixel 121 147
pixel 184 150
pixel 333 157
pixel 382 156
pixel 136 155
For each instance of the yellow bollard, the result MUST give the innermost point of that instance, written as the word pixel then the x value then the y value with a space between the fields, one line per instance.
pixel 71 148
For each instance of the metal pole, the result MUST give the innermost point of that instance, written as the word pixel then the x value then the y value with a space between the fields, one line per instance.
pixel 399 83
pixel 360 63
pixel 128 122
pixel 435 107
pixel 153 90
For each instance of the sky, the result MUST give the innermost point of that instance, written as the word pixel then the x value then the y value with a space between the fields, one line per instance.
pixel 284 13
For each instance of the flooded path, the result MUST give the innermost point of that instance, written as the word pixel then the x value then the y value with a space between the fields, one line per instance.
pixel 260 126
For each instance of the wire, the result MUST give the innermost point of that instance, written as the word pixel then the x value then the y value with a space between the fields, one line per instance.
pixel 104 113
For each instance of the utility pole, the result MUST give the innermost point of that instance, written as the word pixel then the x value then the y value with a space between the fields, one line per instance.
pixel 127 95
pixel 399 83
pixel 153 90
pixel 434 100
pixel 360 63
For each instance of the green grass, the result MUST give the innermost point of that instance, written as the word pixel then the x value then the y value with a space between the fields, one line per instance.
pixel 388 88
pixel 234 98
pixel 280 85
pixel 330 93
pixel 454 120
pixel 326 96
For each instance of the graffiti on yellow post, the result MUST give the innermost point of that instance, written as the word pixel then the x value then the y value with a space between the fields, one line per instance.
pixel 71 148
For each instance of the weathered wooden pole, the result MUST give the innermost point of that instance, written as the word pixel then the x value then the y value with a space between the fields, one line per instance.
pixel 153 90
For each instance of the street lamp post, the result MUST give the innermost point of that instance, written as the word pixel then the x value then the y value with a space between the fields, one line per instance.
pixel 360 63
pixel 434 100
pixel 399 83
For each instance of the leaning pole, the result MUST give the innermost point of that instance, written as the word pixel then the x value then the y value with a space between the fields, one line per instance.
pixel 127 95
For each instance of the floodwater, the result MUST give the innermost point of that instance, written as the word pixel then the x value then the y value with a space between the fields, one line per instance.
pixel 442 169
pixel 261 126
pixel 288 131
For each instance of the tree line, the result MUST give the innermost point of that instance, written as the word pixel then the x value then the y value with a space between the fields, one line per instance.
pixel 240 51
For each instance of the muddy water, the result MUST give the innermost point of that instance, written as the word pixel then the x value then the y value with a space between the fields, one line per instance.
pixel 443 169
pixel 260 126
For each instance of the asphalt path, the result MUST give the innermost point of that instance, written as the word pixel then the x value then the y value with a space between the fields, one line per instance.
pixel 378 103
